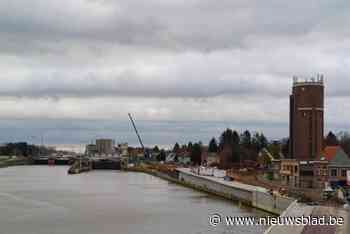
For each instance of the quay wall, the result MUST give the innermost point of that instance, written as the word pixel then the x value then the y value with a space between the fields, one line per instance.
pixel 229 192
pixel 251 195
pixel 272 203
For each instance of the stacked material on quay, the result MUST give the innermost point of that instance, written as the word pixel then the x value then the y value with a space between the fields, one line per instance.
pixel 209 171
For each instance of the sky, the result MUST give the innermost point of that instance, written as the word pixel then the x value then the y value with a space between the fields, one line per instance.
pixel 171 60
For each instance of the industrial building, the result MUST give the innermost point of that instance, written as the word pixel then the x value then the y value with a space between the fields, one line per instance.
pixel 103 147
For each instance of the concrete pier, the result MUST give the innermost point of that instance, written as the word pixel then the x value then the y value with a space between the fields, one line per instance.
pixel 79 167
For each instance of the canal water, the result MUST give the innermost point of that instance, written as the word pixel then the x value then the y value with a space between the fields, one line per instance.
pixel 45 200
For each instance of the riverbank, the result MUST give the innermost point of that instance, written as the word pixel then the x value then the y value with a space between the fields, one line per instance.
pixel 254 196
pixel 8 161
pixel 258 197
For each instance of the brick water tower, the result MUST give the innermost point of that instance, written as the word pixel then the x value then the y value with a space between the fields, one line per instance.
pixel 306 118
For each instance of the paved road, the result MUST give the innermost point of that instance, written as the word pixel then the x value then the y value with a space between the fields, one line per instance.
pixel 297 210
pixel 318 212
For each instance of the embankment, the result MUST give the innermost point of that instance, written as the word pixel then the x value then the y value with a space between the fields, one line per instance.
pixel 254 196
pixel 8 161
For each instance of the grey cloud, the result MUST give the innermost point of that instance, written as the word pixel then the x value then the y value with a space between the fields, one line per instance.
pixel 129 84
pixel 182 25
pixel 197 50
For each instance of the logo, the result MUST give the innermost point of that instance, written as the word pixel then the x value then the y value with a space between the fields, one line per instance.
pixel 215 219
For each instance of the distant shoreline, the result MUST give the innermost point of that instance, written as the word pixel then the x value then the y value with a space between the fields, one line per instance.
pixel 80 148
pixel 13 162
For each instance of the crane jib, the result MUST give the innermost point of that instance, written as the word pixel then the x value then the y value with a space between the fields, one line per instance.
pixel 137 133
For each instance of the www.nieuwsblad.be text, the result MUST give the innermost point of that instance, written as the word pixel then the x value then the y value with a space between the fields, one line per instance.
pixel 216 219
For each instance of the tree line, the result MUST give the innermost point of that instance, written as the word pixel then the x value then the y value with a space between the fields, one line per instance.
pixel 194 150
pixel 341 139
pixel 23 149
pixel 247 145
pixel 242 146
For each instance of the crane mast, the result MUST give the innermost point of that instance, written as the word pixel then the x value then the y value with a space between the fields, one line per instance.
pixel 137 133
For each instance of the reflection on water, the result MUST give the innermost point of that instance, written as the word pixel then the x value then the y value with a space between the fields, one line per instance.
pixel 45 200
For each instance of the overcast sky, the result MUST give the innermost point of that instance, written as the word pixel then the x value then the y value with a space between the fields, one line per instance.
pixel 227 60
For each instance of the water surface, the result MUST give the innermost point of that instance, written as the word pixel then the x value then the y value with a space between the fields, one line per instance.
pixel 45 200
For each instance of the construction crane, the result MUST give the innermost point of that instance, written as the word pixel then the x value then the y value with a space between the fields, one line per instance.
pixel 138 136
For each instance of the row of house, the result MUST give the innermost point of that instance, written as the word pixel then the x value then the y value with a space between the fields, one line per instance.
pixel 183 156
pixel 329 168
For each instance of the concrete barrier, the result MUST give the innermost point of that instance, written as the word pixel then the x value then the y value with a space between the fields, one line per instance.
pixel 273 203
pixel 255 196
pixel 230 192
